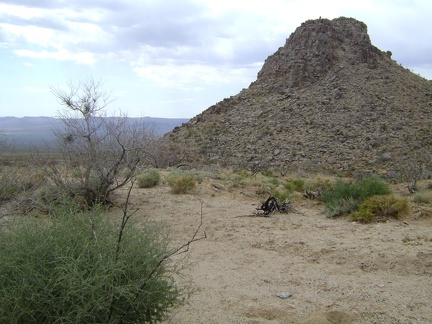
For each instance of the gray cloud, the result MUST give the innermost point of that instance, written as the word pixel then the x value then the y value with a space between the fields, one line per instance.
pixel 43 22
pixel 186 32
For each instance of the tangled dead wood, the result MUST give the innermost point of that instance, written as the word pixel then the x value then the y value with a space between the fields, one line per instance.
pixel 271 205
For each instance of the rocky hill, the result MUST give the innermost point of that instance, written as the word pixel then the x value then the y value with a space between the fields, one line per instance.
pixel 327 100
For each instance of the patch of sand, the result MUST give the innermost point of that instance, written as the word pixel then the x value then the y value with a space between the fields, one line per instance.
pixel 337 271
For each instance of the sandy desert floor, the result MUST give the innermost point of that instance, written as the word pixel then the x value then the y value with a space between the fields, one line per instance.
pixel 333 270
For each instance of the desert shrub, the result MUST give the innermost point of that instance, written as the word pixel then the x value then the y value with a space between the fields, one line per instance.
pixel 237 179
pixel 289 187
pixel 348 194
pixel 317 183
pixel 181 183
pixel 422 198
pixel 17 181
pixel 372 186
pixel 281 195
pixel 149 179
pixel 341 206
pixel 381 208
pixel 267 173
pixel 243 173
pixel 67 269
pixel 295 185
pixel 273 182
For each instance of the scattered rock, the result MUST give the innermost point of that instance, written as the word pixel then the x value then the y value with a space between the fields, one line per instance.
pixel 284 295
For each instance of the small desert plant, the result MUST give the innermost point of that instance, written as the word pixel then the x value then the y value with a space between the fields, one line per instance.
pixel 18 181
pixel 72 268
pixel 238 178
pixel 267 173
pixel 341 206
pixel 149 179
pixel 182 183
pixel 243 173
pixel 317 184
pixel 273 182
pixel 422 198
pixel 381 208
pixel 295 185
pixel 281 195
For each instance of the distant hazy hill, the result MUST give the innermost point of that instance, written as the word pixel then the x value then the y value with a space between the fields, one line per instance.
pixel 28 133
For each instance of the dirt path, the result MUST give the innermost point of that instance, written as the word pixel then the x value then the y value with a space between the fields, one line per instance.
pixel 336 271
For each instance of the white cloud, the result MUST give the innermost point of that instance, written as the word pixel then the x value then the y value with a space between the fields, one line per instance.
pixel 194 76
pixel 81 58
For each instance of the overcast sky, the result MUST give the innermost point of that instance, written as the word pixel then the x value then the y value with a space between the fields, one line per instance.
pixel 175 58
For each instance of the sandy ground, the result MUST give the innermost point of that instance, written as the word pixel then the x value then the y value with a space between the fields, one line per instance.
pixel 335 271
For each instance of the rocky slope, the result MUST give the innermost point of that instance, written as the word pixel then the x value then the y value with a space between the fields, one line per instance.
pixel 327 100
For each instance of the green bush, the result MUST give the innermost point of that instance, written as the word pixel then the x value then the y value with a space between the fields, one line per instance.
pixel 182 184
pixel 149 179
pixel 66 269
pixel 348 194
pixel 381 208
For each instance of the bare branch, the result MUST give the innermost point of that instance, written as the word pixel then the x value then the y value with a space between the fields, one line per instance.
pixel 101 153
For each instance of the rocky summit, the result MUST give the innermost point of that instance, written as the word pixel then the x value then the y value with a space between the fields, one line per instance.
pixel 327 100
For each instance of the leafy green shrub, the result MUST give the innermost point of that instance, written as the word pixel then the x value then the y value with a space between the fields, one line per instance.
pixel 381 208
pixel 182 184
pixel 68 269
pixel 373 186
pixel 149 179
pixel 348 194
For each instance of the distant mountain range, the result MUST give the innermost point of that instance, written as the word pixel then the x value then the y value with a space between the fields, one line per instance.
pixel 29 133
